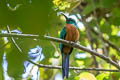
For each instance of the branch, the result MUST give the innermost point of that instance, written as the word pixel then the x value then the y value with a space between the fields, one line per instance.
pixel 107 41
pixel 76 5
pixel 19 35
pixel 72 44
pixel 73 68
pixel 13 40
pixel 78 46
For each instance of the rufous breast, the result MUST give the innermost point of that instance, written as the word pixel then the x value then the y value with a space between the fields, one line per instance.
pixel 72 34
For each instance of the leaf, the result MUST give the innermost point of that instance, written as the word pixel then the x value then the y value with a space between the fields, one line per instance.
pixel 105 27
pixel 115 18
pixel 46 74
pixel 47 49
pixel 86 76
pixel 42 75
pixel 115 39
pixel 104 3
pixel 116 76
pixel 102 76
pixel 15 64
pixel 16 59
pixel 30 17
pixel 89 8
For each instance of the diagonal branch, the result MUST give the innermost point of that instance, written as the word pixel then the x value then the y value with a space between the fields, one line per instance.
pixel 78 46
pixel 73 68
pixel 107 41
pixel 72 44
pixel 13 40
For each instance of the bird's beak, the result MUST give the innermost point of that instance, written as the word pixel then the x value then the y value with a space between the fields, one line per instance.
pixel 65 16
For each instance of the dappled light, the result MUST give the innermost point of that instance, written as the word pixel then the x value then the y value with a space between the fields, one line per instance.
pixel 59 40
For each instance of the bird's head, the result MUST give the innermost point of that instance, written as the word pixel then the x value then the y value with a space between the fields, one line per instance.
pixel 69 20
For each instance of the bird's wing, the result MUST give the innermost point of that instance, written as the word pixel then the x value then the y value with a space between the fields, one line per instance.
pixel 62 36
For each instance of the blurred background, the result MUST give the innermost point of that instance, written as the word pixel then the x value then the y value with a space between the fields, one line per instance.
pixel 99 27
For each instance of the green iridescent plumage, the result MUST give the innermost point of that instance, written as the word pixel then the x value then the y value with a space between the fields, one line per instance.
pixel 62 36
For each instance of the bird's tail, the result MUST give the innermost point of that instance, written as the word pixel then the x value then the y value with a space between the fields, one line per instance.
pixel 65 65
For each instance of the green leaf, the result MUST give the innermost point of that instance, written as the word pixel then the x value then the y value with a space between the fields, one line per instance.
pixel 46 74
pixel 105 27
pixel 15 64
pixel 103 76
pixel 32 17
pixel 16 59
pixel 89 8
pixel 116 76
pixel 115 18
pixel 86 76
pixel 107 3
pixel 47 49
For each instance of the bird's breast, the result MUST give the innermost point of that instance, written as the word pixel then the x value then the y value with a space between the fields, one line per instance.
pixel 72 34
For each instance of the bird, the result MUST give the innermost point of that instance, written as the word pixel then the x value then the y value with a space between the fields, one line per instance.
pixel 69 32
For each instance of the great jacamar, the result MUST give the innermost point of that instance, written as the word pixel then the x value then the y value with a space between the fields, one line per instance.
pixel 69 32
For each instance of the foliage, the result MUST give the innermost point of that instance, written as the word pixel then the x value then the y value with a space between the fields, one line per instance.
pixel 40 17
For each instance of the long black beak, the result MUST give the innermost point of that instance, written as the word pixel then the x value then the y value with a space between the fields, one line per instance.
pixel 65 16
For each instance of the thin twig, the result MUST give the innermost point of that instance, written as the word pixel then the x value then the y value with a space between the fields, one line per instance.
pixel 77 4
pixel 88 32
pixel 13 40
pixel 98 27
pixel 73 68
pixel 72 44
pixel 107 41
